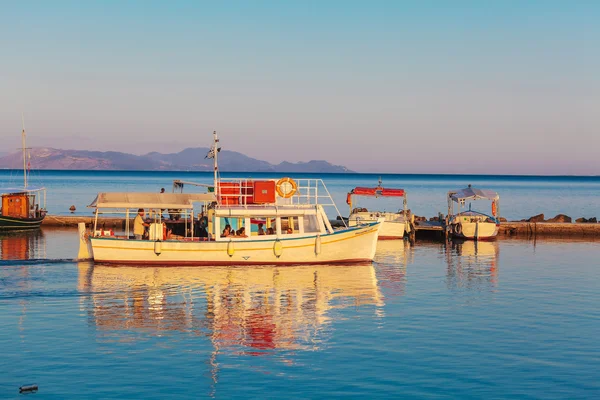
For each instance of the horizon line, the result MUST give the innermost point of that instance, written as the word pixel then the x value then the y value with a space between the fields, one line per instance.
pixel 298 173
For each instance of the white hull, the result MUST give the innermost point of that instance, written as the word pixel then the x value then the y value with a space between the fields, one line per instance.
pixel 347 246
pixel 480 230
pixel 392 228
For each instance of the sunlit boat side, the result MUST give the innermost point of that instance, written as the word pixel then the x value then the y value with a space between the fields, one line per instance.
pixel 292 209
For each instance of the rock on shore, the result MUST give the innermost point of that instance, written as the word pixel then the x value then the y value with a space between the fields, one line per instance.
pixel 560 218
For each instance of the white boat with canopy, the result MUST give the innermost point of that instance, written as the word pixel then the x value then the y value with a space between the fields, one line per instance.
pixel 395 223
pixel 242 222
pixel 470 224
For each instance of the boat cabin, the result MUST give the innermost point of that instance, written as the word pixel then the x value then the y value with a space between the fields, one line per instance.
pixel 240 209
pixel 20 205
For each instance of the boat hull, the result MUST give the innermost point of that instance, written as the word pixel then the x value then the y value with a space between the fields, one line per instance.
pixel 16 223
pixel 356 245
pixel 392 228
pixel 477 231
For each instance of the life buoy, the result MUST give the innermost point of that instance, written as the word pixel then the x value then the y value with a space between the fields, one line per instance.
pixel 286 187
pixel 458 229
pixel 494 209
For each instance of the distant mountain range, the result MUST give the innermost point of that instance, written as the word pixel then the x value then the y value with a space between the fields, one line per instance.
pixel 190 159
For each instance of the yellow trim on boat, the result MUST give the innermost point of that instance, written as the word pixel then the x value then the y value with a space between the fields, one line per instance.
pixel 239 250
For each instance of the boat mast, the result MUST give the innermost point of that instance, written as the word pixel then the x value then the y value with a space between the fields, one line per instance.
pixel 24 153
pixel 215 150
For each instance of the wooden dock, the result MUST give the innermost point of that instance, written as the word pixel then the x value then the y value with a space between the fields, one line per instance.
pixel 430 229
pixel 73 220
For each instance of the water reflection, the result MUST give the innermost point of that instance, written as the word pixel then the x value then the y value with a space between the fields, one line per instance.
pixel 22 245
pixel 391 258
pixel 472 264
pixel 245 310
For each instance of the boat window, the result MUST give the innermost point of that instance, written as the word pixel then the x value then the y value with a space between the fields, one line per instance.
pixel 260 226
pixel 310 224
pixel 234 225
pixel 289 225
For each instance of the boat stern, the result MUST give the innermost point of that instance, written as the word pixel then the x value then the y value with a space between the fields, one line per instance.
pixel 85 246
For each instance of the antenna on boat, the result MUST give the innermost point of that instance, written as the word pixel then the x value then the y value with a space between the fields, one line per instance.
pixel 24 152
pixel 215 151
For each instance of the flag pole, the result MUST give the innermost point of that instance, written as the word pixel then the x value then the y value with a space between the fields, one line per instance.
pixel 24 151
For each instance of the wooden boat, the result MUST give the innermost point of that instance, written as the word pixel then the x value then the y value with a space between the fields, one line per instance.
pixel 21 206
pixel 395 223
pixel 294 210
pixel 472 224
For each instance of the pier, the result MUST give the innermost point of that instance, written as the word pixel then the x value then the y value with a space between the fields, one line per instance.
pixel 427 229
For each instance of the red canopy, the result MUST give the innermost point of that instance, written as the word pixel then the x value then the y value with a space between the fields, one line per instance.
pixel 377 191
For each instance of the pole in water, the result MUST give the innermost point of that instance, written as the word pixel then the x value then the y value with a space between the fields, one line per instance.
pixel 28 389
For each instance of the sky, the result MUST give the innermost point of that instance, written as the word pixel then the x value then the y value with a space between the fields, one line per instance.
pixel 483 87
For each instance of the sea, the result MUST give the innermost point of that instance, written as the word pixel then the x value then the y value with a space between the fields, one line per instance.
pixel 507 319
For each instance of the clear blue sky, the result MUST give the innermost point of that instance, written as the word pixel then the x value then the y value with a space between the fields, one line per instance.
pixel 384 86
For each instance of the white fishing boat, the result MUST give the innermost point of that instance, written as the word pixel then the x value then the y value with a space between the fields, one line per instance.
pixel 471 224
pixel 275 222
pixel 395 224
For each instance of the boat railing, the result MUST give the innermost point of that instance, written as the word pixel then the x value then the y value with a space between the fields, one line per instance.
pixel 308 192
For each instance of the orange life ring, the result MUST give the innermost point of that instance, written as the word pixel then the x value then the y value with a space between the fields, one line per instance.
pixel 494 208
pixel 285 182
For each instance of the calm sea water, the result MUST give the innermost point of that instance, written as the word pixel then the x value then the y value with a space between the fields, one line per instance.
pixel 505 319
pixel 520 196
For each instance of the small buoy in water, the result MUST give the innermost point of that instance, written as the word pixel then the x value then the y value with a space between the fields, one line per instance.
pixel 72 208
pixel 28 388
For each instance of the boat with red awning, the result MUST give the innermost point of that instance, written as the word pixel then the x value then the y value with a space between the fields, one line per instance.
pixel 395 224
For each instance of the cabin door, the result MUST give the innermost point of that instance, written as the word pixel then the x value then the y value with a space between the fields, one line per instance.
pixel 15 206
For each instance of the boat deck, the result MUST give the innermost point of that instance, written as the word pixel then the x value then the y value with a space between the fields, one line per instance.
pixel 429 226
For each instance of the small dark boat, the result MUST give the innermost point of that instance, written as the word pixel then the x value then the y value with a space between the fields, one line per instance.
pixel 21 206
pixel 20 209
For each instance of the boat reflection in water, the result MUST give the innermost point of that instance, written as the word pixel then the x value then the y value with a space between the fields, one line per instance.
pixel 472 263
pixel 242 310
pixel 22 245
pixel 392 258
